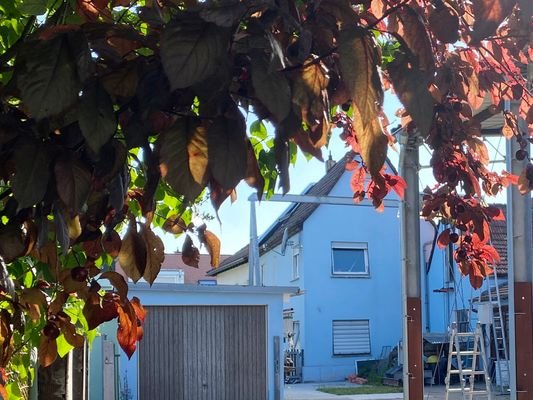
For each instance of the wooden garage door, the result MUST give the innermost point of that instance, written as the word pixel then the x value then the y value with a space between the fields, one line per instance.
pixel 203 353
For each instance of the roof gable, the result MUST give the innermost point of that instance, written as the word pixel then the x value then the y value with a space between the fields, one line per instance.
pixel 293 217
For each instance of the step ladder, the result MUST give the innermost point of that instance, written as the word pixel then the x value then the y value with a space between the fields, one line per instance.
pixel 499 334
pixel 467 362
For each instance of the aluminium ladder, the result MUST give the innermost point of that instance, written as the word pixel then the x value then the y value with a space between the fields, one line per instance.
pixel 499 335
pixel 464 357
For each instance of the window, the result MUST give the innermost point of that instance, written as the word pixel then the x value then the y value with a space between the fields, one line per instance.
pixel 349 259
pixel 295 264
pixel 351 337
pixel 170 276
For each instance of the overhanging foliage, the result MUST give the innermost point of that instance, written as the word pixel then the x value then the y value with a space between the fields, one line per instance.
pixel 122 113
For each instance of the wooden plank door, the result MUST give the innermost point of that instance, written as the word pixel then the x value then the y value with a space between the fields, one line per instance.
pixel 203 353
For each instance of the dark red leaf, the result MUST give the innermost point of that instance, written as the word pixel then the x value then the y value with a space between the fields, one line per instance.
pixel 189 253
pixel 444 239
pixel 127 327
pixel 489 14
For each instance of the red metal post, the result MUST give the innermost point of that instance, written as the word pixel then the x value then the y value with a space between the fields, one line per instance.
pixel 414 348
pixel 524 340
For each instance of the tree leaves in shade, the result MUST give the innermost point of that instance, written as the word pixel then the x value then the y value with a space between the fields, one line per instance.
pixel 61 228
pixel 253 175
pixel 111 243
pixel 227 150
pixel 97 119
pixel 32 173
pixel 444 23
pixel 281 151
pixel 47 77
pixel 489 14
pixel 33 7
pixel 271 88
pixel 411 86
pixel 311 97
pixel 118 282
pixel 73 183
pixel 183 157
pixel 133 253
pixel 358 66
pixel 190 253
pixel 174 224
pixel 197 151
pixel 191 50
pixel 225 13
pixel 155 254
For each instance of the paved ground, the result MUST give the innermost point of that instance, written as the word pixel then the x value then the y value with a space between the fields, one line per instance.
pixel 308 391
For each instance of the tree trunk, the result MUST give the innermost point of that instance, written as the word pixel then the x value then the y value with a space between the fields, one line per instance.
pixel 52 380
pixel 65 379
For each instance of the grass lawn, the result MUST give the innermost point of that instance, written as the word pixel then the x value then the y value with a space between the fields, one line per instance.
pixel 366 389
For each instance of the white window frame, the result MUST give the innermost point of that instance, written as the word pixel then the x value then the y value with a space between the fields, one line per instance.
pixel 169 276
pixel 295 263
pixel 350 246
pixel 345 330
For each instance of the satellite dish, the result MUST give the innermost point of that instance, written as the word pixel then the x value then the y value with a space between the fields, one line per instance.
pixel 284 240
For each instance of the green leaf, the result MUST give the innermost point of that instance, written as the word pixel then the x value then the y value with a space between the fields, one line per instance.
pixel 47 77
pixel 97 118
pixel 32 173
pixel 191 50
pixel 13 391
pixel 183 161
pixel 33 7
pixel 272 89
pixel 227 151
pixel 258 130
pixel 63 347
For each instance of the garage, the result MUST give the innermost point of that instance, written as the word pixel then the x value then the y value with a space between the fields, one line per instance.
pixel 204 353
pixel 219 342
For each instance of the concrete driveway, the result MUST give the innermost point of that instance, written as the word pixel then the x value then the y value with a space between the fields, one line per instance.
pixel 308 391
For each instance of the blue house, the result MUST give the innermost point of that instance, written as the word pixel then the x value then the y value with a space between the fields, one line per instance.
pixel 346 261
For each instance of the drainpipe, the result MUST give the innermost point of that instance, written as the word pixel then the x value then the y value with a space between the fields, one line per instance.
pixel 413 371
pixel 520 276
pixel 253 248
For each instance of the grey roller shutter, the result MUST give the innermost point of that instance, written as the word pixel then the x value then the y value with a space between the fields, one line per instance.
pixel 351 337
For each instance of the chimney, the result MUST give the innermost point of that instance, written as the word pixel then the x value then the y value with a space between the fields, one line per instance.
pixel 330 163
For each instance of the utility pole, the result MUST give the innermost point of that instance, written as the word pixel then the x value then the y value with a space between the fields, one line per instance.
pixel 520 277
pixel 413 370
